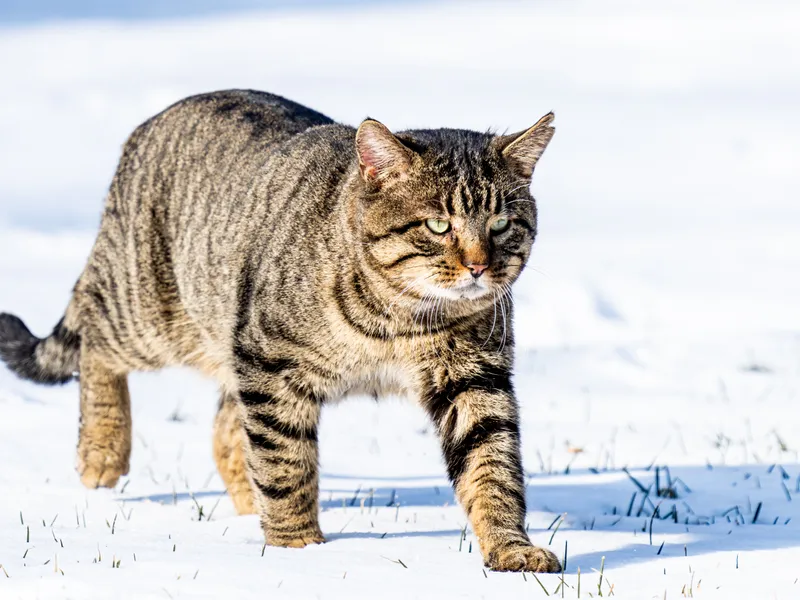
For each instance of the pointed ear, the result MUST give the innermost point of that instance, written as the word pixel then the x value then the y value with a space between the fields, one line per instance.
pixel 381 155
pixel 522 150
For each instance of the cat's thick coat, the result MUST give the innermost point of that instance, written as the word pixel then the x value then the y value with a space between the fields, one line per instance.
pixel 296 260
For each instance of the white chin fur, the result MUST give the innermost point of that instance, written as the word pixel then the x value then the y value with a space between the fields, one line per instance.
pixel 471 291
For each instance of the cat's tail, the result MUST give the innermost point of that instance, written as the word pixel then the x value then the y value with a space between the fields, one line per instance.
pixel 51 360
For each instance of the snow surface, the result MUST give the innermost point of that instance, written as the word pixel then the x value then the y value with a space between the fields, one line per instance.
pixel 657 327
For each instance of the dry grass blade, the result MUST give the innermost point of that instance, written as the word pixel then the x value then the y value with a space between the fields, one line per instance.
pixel 396 561
pixel 600 583
pixel 555 531
pixel 546 593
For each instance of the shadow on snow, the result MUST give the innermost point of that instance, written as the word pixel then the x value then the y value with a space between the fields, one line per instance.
pixel 700 509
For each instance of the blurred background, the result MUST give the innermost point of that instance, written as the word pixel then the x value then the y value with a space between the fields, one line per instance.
pixel 670 114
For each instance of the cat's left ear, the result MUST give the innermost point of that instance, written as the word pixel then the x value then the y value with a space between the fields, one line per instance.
pixel 522 150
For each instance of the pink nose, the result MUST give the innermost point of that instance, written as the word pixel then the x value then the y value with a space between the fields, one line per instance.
pixel 476 270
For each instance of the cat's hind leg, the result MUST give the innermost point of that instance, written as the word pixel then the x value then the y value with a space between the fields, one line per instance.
pixel 104 439
pixel 229 454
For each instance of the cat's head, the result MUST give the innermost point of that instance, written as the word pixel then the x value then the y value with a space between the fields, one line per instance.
pixel 448 213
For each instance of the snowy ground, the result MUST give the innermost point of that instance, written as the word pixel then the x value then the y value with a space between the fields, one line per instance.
pixel 659 329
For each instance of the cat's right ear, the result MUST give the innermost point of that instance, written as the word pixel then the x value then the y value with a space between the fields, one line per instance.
pixel 381 156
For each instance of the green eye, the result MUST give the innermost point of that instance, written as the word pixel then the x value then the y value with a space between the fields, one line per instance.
pixel 499 225
pixel 438 225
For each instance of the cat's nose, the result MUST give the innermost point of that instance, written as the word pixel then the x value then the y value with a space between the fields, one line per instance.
pixel 476 270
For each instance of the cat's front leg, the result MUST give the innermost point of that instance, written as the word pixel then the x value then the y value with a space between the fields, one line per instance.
pixel 478 423
pixel 281 451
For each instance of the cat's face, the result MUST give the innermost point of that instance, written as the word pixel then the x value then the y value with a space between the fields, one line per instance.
pixel 448 214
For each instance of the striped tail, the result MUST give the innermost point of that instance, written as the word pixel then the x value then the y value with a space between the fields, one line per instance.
pixel 51 360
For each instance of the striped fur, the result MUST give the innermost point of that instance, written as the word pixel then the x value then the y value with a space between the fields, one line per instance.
pixel 295 260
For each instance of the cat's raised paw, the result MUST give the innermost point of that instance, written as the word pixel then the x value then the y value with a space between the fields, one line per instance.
pixel 523 558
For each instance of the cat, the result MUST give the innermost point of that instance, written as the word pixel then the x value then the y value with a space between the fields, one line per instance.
pixel 296 260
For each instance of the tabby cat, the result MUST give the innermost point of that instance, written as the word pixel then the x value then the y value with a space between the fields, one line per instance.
pixel 297 260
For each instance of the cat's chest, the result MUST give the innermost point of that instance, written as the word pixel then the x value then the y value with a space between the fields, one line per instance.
pixel 380 380
pixel 400 368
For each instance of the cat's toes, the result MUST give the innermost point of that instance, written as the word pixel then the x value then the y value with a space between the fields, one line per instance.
pixel 523 558
pixel 296 541
pixel 100 469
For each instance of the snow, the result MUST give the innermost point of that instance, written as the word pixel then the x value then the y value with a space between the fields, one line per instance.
pixel 657 327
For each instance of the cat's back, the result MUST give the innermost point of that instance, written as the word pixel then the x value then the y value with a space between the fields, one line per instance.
pixel 201 151
pixel 186 176
pixel 253 118
pixel 179 210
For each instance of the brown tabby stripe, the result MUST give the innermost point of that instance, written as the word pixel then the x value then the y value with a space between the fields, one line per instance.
pixel 394 231
pixel 272 424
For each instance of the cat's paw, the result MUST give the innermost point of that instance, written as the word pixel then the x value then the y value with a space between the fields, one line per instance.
pixel 100 468
pixel 523 558
pixel 296 541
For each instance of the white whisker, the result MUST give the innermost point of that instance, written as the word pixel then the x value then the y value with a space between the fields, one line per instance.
pixel 503 312
pixel 494 317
